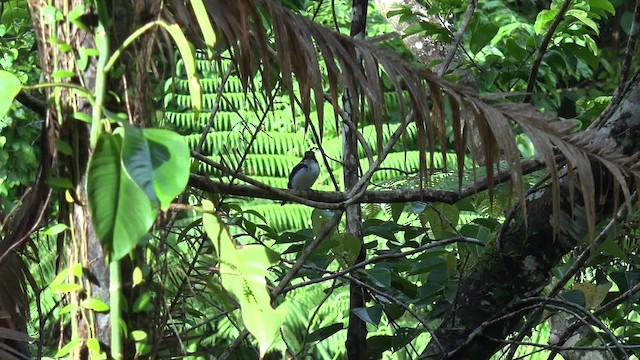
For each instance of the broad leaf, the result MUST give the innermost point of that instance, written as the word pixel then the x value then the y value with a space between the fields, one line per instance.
pixel 243 273
pixel 9 87
pixel 325 332
pixel 158 161
pixel 346 250
pixel 170 162
pixel 372 315
pixel 594 294
pixel 121 212
pixel 136 159
pixel 483 36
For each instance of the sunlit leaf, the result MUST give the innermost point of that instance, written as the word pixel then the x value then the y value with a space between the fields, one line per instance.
pixel 121 212
pixel 243 271
pixel 9 87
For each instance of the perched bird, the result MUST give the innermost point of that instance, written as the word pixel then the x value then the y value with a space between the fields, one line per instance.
pixel 304 174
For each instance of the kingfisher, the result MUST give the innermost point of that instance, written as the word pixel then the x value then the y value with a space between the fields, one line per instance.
pixel 304 174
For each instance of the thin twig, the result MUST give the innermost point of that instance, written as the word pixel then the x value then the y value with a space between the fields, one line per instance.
pixel 466 20
pixel 327 228
pixel 254 136
pixel 359 188
pixel 214 110
pixel 347 120
pixel 236 343
pixel 376 259
pixel 543 48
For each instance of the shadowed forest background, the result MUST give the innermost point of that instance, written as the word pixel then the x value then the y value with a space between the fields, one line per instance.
pixel 476 200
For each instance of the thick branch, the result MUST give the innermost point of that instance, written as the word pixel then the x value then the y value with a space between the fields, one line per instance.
pixel 335 200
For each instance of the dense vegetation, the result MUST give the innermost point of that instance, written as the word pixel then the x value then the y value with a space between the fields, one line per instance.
pixel 476 197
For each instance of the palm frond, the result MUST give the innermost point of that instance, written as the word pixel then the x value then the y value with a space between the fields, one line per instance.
pixel 306 51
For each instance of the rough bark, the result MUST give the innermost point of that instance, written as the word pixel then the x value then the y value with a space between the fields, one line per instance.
pixel 519 261
pixel 357 331
pixel 559 323
pixel 83 248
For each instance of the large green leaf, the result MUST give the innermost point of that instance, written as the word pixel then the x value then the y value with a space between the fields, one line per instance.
pixel 120 210
pixel 170 161
pixel 136 158
pixel 243 273
pixel 158 161
pixel 483 36
pixel 9 87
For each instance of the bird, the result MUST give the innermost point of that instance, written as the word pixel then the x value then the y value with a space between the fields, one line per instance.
pixel 305 174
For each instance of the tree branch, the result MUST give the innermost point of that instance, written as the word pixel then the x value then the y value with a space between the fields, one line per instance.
pixel 543 49
pixel 337 200
pixel 466 20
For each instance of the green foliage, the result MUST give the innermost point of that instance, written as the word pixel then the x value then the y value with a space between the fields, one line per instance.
pixel 121 212
pixel 19 127
pixel 130 177
pixel 182 280
pixel 243 272
pixel 9 87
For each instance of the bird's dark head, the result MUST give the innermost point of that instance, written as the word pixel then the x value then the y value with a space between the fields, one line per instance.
pixel 309 155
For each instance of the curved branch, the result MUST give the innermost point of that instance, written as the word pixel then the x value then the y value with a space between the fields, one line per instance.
pixel 336 200
pixel 543 48
pixel 466 20
pixel 379 258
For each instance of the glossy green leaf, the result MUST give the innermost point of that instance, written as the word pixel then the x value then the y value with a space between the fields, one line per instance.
pixel 138 335
pixel 372 315
pixel 325 332
pixel 158 161
pixel 137 276
pixel 94 304
pixel 55 229
pixel 442 218
pixel 67 348
pixel 583 17
pixel 93 345
pixel 594 294
pixel 381 276
pixel 483 36
pixel 9 87
pixel 67 287
pixel 170 161
pixel 319 217
pixel 121 212
pixel 142 303
pixel 396 210
pixel 136 158
pixel 543 19
pixel 346 250
pixel 574 296
pixel 602 4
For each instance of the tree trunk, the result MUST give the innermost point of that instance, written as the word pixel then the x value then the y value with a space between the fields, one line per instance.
pixel 356 343
pixel 82 247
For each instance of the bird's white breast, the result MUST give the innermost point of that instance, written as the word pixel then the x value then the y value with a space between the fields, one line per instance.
pixel 304 179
